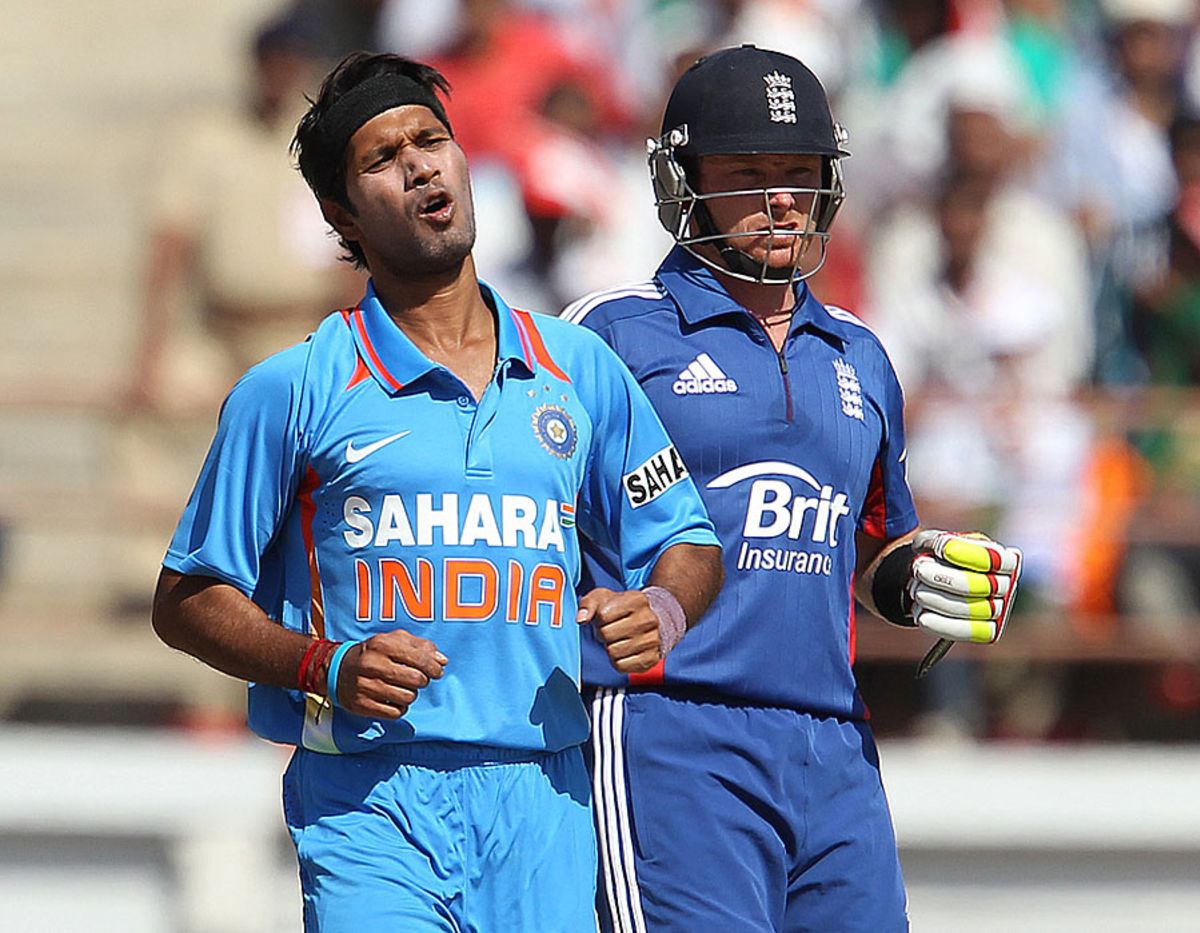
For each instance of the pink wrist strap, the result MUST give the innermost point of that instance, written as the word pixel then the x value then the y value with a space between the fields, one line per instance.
pixel 671 621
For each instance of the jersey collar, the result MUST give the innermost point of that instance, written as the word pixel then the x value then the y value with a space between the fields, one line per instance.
pixel 394 360
pixel 699 296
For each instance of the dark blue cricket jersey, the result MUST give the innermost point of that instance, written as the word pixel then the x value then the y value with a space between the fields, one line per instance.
pixel 792 452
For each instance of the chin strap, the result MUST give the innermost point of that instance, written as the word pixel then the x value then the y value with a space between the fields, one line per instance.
pixel 735 260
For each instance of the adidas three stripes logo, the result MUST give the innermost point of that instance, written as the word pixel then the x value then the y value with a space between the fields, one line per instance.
pixel 703 377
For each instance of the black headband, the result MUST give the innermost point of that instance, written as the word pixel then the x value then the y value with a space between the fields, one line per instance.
pixel 367 101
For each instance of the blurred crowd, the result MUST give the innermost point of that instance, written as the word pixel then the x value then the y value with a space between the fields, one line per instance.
pixel 1022 229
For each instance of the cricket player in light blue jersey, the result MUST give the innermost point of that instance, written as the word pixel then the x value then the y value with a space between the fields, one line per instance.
pixel 384 541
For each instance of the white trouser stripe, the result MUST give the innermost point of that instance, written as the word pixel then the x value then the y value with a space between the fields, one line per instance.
pixel 602 791
pixel 624 824
pixel 616 837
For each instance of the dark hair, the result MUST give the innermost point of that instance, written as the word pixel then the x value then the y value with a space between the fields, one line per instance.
pixel 324 165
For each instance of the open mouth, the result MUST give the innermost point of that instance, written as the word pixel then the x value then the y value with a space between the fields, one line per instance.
pixel 436 206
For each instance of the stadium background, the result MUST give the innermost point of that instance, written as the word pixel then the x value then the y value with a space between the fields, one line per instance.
pixel 1024 183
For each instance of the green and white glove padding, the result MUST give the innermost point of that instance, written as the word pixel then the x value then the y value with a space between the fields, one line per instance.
pixel 962 585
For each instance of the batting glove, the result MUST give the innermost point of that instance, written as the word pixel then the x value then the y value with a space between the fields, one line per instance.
pixel 962 585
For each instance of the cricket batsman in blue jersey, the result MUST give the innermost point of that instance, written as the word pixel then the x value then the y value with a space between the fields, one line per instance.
pixel 384 540
pixel 737 782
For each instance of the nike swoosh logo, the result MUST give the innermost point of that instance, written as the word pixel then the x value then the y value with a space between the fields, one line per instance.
pixel 354 454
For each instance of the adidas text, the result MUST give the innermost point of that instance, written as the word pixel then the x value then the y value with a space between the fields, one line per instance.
pixel 703 377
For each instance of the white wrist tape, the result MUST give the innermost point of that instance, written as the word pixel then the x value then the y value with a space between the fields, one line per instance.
pixel 672 622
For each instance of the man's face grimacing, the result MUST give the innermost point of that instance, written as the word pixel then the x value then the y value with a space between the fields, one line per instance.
pixel 410 194
pixel 783 210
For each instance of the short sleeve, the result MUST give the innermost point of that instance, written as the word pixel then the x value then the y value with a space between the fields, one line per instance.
pixel 638 498
pixel 247 483
pixel 888 508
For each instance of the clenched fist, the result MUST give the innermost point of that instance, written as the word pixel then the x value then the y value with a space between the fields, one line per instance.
pixel 380 677
pixel 626 625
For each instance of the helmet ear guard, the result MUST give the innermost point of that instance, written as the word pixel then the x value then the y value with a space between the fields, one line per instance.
pixel 672 193
pixel 829 204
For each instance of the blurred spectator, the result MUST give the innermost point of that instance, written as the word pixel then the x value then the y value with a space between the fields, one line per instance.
pixel 871 106
pixel 233 228
pixel 502 68
pixel 1167 307
pixel 567 182
pixel 558 194
pixel 418 29
pixel 240 263
pixel 908 152
pixel 1160 576
pixel 981 296
pixel 989 282
pixel 904 28
pixel 981 302
pixel 525 103
pixel 1111 163
pixel 335 28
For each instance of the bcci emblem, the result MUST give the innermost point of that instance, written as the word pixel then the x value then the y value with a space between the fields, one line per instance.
pixel 555 430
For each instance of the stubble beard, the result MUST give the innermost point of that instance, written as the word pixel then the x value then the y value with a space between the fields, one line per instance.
pixel 437 252
pixel 441 253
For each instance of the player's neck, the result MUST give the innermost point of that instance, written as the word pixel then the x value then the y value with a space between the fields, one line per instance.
pixel 448 320
pixel 765 302
pixel 443 312
pixel 770 305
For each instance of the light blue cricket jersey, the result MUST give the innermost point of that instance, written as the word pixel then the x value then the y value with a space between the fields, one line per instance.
pixel 355 487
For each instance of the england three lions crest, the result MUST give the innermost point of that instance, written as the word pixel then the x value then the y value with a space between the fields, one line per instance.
pixel 781 101
pixel 555 430
pixel 849 389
